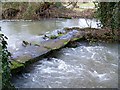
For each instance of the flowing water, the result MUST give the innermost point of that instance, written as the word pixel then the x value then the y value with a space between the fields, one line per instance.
pixel 81 67
pixel 31 31
pixel 86 66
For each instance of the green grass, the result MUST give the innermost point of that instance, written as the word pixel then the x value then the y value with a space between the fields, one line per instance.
pixel 90 4
pixel 82 5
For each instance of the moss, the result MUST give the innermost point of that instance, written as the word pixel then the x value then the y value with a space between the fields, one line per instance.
pixel 66 42
pixel 53 37
pixel 15 64
pixel 59 35
pixel 75 39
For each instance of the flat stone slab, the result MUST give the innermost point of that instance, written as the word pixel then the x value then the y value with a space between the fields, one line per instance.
pixel 33 50
pixel 54 44
pixel 30 52
pixel 25 54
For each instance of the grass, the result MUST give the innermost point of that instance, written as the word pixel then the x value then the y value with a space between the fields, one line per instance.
pixel 83 6
pixel 90 4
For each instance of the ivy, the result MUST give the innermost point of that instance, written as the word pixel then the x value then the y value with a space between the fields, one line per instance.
pixel 4 54
pixel 109 14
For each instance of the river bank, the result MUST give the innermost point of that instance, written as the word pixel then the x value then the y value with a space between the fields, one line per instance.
pixel 37 11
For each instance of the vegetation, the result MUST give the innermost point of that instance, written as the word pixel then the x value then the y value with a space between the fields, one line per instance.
pixel 6 76
pixel 109 14
pixel 53 37
pixel 38 10
pixel 15 65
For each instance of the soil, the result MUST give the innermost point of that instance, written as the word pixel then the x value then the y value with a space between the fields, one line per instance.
pixel 52 12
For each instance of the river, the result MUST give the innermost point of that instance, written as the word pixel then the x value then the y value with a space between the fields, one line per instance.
pixel 31 31
pixel 86 66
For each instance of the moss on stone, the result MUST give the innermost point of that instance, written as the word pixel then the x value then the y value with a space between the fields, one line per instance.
pixel 75 39
pixel 15 64
pixel 59 35
pixel 66 42
pixel 53 37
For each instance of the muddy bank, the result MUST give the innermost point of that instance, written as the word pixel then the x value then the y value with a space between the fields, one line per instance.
pixel 31 52
pixel 51 12
pixel 101 35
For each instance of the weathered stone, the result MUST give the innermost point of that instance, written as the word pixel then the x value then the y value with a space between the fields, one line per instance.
pixel 55 44
pixel 28 53
pixel 24 58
